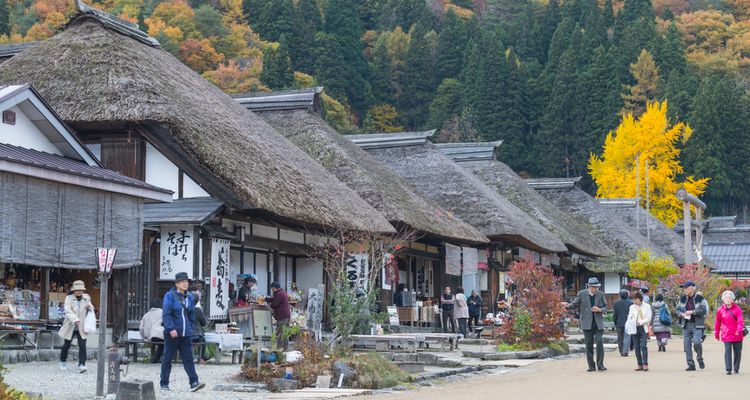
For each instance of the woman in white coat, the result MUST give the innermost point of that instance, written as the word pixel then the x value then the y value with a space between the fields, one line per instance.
pixel 640 313
pixel 77 305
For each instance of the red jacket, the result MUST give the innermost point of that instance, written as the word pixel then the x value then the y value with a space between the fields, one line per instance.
pixel 728 328
pixel 280 305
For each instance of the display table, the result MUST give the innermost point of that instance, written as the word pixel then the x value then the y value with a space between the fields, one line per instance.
pixel 233 342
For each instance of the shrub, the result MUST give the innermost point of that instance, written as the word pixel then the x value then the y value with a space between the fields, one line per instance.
pixel 537 312
pixel 375 372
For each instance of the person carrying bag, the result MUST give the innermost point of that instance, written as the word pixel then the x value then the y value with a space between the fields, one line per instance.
pixel 77 324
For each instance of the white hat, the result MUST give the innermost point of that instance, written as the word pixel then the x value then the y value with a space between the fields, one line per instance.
pixel 78 285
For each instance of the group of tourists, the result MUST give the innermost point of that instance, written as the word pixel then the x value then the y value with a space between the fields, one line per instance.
pixel 636 321
pixel 458 308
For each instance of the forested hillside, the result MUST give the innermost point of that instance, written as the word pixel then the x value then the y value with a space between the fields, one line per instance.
pixel 550 78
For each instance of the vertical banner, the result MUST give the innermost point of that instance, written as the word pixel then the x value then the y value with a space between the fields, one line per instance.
pixel 219 301
pixel 470 279
pixel 315 300
pixel 387 274
pixel 358 270
pixel 176 251
pixel 452 260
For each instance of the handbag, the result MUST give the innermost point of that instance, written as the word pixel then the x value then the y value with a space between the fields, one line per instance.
pixel 89 324
pixel 744 328
pixel 631 326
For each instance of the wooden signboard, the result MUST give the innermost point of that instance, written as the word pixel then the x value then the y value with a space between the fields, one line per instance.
pixel 262 323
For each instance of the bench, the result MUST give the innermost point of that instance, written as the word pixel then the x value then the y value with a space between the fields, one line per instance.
pixel 134 343
pixel 444 340
pixel 382 342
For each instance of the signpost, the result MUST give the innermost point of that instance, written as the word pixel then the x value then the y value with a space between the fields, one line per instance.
pixel 105 258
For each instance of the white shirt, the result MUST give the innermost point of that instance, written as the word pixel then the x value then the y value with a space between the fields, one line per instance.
pixel 641 314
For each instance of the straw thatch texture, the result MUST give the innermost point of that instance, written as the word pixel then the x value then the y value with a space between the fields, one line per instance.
pixel 93 76
pixel 459 191
pixel 576 234
pixel 666 239
pixel 373 181
pixel 619 237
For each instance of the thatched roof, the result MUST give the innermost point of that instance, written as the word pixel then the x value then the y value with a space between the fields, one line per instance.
pixel 619 237
pixel 660 235
pixel 458 190
pixel 479 159
pixel 97 75
pixel 373 181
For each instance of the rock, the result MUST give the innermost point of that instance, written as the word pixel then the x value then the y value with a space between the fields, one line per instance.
pixel 400 388
pixel 136 390
pixel 34 396
pixel 411 367
pixel 341 368
pixel 426 383
pixel 446 363
pixel 428 358
pixel 240 387
pixel 280 384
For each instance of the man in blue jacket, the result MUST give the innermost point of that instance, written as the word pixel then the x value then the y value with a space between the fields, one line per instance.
pixel 177 317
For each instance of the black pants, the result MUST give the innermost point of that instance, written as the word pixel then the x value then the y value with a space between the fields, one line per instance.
pixel 473 322
pixel 620 340
pixel 448 317
pixel 156 350
pixel 81 348
pixel 462 326
pixel 641 346
pixel 183 345
pixel 592 336
pixel 730 347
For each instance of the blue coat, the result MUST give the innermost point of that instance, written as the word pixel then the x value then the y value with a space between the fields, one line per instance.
pixel 178 313
pixel 475 306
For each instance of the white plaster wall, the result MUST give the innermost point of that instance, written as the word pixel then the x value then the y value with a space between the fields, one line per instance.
pixel 309 274
pixel 25 134
pixel 160 171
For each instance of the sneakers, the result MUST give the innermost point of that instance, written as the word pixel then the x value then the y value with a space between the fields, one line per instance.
pixel 701 364
pixel 63 366
pixel 690 368
pixel 82 369
pixel 164 388
pixel 197 386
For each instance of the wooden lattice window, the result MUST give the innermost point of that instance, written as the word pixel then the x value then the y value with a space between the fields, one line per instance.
pixel 9 117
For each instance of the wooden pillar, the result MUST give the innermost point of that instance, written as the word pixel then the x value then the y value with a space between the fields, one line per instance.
pixel 44 306
pixel 276 267
pixel 688 232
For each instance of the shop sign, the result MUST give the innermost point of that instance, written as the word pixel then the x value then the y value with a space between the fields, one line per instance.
pixel 452 260
pixel 358 270
pixel 105 258
pixel 177 247
pixel 219 301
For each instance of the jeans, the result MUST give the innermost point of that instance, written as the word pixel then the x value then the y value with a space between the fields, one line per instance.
pixel 81 348
pixel 448 317
pixel 592 336
pixel 641 346
pixel 156 350
pixel 185 346
pixel 463 326
pixel 692 338
pixel 473 322
pixel 281 342
pixel 622 346
pixel 730 347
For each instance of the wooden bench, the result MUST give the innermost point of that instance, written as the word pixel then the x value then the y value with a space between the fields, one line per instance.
pixel 134 343
pixel 444 340
pixel 382 342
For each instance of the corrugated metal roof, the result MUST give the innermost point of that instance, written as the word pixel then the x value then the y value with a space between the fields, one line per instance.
pixel 192 211
pixel 66 165
pixel 302 99
pixel 730 258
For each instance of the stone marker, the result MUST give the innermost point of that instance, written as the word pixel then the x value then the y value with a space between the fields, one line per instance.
pixel 281 384
pixel 323 382
pixel 136 390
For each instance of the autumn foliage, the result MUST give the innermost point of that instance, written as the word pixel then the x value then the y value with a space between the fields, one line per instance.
pixel 649 137
pixel 536 309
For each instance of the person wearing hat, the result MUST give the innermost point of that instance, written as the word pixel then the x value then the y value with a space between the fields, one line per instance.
pixel 279 303
pixel 591 305
pixel 246 291
pixel 77 305
pixel 178 316
pixel 692 310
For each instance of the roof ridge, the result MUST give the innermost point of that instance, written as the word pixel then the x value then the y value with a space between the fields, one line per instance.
pixel 117 24
pixel 396 139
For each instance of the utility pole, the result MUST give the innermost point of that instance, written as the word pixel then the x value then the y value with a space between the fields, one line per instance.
pixel 648 206
pixel 637 193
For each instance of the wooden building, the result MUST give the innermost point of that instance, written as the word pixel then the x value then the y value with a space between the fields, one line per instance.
pixel 511 231
pixel 296 114
pixel 246 199
pixel 583 247
pixel 57 205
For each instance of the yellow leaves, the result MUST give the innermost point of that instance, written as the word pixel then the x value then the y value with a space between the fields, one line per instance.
pixel 231 78
pixel 647 138
pixel 459 11
pixel 650 268
pixel 303 80
pixel 383 118
pixel 716 41
pixel 199 55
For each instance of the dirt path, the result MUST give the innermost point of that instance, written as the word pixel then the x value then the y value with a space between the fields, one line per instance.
pixel 568 379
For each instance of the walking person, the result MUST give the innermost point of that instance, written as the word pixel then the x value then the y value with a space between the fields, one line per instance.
pixel 461 311
pixel 641 313
pixel 591 305
pixel 178 315
pixel 620 316
pixel 447 306
pixel 692 309
pixel 660 326
pixel 152 330
pixel 77 305
pixel 475 309
pixel 279 303
pixel 729 328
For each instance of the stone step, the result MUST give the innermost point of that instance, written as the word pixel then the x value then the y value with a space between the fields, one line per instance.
pixel 411 367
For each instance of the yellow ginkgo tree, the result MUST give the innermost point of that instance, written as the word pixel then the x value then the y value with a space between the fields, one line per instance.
pixel 649 138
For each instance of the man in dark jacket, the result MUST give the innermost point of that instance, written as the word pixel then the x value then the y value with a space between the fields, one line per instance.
pixel 178 315
pixel 279 303
pixel 475 309
pixel 447 304
pixel 592 305
pixel 692 309
pixel 621 310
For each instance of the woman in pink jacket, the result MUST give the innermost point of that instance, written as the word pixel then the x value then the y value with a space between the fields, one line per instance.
pixel 728 328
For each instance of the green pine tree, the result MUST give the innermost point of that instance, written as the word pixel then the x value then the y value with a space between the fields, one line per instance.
pixel 418 80
pixel 277 71
pixel 445 104
pixel 551 20
pixel 608 15
pixel 208 21
pixel 450 47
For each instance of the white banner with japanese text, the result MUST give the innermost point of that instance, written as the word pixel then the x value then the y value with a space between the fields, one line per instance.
pixel 219 301
pixel 452 260
pixel 176 251
pixel 358 270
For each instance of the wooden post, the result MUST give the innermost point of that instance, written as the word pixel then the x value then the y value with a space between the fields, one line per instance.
pixel 100 362
pixel 688 232
pixel 44 306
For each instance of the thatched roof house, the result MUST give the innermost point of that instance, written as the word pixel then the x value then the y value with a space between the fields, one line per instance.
pixel 479 158
pixel 457 190
pixel 619 237
pixel 650 227
pixel 294 114
pixel 102 73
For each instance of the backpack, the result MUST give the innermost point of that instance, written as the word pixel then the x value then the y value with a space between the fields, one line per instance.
pixel 664 316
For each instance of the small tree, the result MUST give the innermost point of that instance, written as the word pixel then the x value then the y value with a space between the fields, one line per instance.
pixel 705 281
pixel 537 313
pixel 652 269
